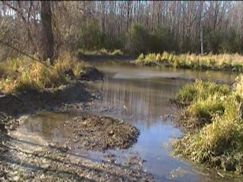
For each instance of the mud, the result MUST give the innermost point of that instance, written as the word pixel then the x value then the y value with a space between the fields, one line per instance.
pixel 22 160
pixel 101 133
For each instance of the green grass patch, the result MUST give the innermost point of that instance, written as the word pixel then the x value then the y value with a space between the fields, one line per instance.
pixel 201 112
pixel 200 90
pixel 218 142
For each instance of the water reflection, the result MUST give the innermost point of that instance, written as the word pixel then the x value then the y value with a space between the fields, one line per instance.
pixel 137 100
pixel 140 96
pixel 43 128
pixel 121 71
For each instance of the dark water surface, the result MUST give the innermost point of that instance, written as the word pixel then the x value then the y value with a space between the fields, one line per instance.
pixel 141 97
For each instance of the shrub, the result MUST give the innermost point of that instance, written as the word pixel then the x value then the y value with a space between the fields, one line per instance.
pixel 91 37
pixel 138 39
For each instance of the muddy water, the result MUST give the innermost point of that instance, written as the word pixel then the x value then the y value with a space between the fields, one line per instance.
pixel 140 96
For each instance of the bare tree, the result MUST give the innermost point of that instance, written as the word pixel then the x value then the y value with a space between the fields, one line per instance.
pixel 194 25
pixel 47 47
pixel 201 27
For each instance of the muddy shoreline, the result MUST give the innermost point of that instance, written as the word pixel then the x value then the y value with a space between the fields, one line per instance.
pixel 90 132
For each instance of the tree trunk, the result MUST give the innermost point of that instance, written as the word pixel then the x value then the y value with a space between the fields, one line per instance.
pixel 201 28
pixel 47 47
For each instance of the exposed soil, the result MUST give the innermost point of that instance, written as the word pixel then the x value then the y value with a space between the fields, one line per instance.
pixel 25 161
pixel 31 101
pixel 100 133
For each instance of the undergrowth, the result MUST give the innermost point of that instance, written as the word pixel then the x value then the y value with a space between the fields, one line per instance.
pixel 24 73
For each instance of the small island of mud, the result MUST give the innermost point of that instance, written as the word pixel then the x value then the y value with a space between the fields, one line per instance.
pixel 101 133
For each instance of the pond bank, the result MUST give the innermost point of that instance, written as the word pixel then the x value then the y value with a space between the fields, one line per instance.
pixel 212 115
pixel 219 62
pixel 23 160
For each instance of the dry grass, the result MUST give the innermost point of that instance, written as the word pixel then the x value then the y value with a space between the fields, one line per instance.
pixel 219 142
pixel 23 73
pixel 101 52
pixel 67 62
pixel 239 86
pixel 200 90
pixel 232 62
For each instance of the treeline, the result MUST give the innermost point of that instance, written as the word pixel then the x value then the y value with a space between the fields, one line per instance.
pixel 133 26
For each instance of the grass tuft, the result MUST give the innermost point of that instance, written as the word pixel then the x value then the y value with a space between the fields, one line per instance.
pixel 23 73
pixel 100 52
pixel 231 62
pixel 218 142
pixel 200 90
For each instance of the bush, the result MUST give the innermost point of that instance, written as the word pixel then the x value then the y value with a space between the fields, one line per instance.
pixel 91 37
pixel 138 39
pixel 161 40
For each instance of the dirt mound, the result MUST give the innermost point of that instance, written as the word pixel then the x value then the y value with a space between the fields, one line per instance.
pixel 91 74
pixel 31 101
pixel 101 133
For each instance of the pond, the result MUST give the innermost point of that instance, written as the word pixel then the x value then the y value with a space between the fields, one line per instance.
pixel 141 96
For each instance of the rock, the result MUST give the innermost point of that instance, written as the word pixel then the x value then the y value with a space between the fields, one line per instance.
pixel 91 74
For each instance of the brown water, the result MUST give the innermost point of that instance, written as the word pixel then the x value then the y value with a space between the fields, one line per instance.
pixel 140 96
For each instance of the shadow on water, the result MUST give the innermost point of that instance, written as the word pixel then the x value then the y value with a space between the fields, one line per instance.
pixel 140 96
